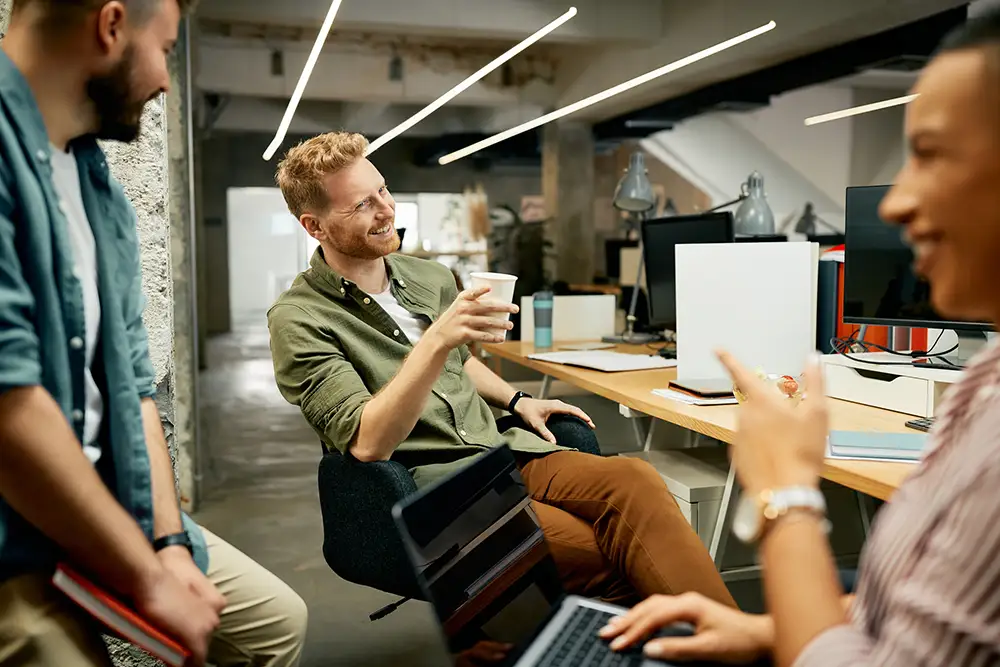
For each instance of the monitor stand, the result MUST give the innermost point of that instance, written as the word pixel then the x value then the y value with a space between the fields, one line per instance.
pixel 969 345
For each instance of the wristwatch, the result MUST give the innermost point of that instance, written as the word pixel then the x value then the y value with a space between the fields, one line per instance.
pixel 755 514
pixel 173 540
pixel 517 397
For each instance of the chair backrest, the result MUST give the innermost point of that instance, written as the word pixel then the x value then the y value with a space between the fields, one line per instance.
pixel 360 540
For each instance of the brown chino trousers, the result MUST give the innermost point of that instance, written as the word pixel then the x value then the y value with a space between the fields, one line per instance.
pixel 615 531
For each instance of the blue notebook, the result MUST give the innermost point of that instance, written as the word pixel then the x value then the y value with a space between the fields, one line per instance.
pixel 877 446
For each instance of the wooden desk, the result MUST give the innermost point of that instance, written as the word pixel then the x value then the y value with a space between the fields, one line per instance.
pixel 634 391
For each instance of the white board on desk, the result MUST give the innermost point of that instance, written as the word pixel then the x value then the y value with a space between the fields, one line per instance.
pixel 582 317
pixel 756 300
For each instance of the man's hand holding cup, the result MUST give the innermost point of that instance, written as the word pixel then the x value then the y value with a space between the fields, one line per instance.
pixel 473 318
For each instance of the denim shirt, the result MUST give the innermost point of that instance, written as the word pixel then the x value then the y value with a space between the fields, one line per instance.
pixel 42 317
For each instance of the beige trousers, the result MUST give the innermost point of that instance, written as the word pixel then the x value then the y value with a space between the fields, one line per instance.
pixel 263 624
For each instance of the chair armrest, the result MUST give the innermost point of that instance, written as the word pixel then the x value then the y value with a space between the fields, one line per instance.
pixel 570 431
pixel 360 540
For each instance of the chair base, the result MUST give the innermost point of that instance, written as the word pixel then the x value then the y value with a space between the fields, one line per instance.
pixel 388 609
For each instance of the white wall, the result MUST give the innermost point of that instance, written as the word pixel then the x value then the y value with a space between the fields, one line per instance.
pixel 716 154
pixel 821 153
pixel 267 249
pixel 878 144
pixel 799 163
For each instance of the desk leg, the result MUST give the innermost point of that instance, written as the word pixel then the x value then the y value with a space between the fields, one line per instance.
pixel 642 426
pixel 866 510
pixel 543 393
pixel 730 496
pixel 643 429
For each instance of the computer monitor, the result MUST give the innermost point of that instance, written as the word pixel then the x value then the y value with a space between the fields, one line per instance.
pixel 761 238
pixel 659 238
pixel 612 257
pixel 880 285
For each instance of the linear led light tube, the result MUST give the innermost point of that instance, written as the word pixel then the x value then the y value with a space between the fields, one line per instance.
pixel 865 108
pixel 460 88
pixel 606 94
pixel 300 87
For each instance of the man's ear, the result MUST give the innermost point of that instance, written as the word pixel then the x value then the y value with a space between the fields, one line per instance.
pixel 111 26
pixel 310 223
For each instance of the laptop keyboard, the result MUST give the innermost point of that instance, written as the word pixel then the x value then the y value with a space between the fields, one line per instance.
pixel 579 646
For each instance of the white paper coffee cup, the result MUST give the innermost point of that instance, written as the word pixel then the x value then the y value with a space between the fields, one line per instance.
pixel 501 289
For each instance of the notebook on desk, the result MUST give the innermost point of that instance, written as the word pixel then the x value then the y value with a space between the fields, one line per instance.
pixel 876 446
pixel 604 360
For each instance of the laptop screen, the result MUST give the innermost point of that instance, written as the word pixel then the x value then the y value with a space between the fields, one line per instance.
pixel 481 558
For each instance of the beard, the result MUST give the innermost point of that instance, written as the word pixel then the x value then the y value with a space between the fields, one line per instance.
pixel 363 245
pixel 119 114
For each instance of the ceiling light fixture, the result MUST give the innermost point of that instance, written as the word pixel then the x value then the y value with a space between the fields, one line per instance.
pixel 865 108
pixel 300 87
pixel 460 88
pixel 606 94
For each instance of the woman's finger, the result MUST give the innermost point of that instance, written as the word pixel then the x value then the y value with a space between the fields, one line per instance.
pixel 647 618
pixel 748 383
pixel 695 647
pixel 813 376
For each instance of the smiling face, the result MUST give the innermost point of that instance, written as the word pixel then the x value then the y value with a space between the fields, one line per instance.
pixel 359 222
pixel 947 196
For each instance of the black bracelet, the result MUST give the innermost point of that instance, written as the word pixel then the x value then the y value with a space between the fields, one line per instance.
pixel 173 540
pixel 517 397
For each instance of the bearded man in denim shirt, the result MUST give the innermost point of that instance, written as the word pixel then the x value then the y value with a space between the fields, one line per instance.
pixel 84 471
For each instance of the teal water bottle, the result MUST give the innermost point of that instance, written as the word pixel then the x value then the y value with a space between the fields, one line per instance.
pixel 543 318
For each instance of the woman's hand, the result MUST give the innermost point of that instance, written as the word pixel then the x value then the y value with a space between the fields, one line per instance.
pixel 722 633
pixel 778 443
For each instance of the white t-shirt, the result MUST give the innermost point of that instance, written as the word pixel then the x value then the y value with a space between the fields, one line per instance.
pixel 66 178
pixel 411 325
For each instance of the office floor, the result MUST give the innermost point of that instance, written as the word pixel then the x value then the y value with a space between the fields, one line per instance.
pixel 260 462
pixel 260 473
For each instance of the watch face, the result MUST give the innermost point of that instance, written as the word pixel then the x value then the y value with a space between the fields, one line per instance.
pixel 747 519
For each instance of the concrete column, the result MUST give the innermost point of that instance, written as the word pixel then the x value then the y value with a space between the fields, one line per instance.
pixel 182 252
pixel 568 188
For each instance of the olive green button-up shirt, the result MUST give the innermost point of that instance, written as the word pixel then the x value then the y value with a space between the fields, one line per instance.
pixel 334 347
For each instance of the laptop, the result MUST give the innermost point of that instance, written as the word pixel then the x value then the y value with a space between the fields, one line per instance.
pixel 480 557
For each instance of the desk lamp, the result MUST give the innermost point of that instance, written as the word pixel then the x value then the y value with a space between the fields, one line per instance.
pixel 634 195
pixel 753 217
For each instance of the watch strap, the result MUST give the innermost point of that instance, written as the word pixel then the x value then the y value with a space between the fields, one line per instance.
pixel 517 397
pixel 778 503
pixel 173 540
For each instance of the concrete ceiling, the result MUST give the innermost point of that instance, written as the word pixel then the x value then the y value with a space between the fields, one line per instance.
pixel 251 52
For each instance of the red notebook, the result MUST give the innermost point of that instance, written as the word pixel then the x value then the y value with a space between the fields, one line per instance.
pixel 118 617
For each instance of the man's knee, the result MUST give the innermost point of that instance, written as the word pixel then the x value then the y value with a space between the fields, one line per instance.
pixel 288 632
pixel 297 615
pixel 39 626
pixel 633 475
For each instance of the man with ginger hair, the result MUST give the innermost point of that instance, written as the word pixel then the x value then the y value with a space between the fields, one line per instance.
pixel 371 345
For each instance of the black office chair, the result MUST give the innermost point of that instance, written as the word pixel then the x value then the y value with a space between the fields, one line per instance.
pixel 360 540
